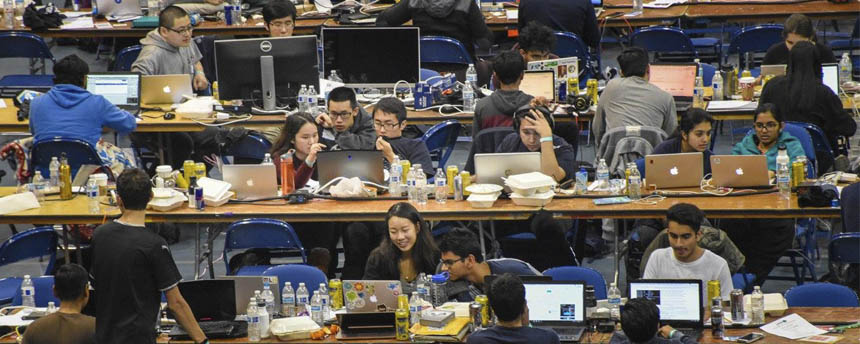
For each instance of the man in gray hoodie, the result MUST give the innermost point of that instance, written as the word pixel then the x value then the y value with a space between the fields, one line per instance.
pixel 347 125
pixel 168 49
pixel 498 109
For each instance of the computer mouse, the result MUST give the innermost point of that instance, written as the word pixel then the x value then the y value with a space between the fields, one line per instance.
pixel 169 115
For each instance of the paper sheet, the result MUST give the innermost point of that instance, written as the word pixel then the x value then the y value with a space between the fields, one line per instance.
pixel 18 202
pixel 717 105
pixel 2 104
pixel 512 14
pixel 76 14
pixel 792 327
pixel 104 26
pixel 78 23
pixel 16 319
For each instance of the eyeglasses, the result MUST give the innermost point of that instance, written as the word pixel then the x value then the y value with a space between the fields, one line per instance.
pixel 183 30
pixel 450 262
pixel 387 126
pixel 769 126
pixel 341 115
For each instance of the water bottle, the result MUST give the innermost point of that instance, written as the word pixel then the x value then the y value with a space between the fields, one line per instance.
pixel 395 172
pixel 614 298
pixel 581 181
pixel 437 289
pixel 54 170
pixel 52 308
pixel 93 196
pixel 28 292
pixel 267 160
pixel 717 84
pixel 602 176
pixel 634 188
pixel 420 185
pixel 316 308
pixel 9 14
pixel 468 98
pixel 757 306
pixel 845 69
pixel 288 300
pixel 312 100
pixel 325 300
pixel 253 321
pixel 471 75
pixel 303 299
pixel 414 308
pixel 302 99
pixel 783 173
pixel 39 186
pixel 637 6
pixel 422 288
pixel 269 298
pixel 441 186
pixel 699 93
pixel 262 314
pixel 410 185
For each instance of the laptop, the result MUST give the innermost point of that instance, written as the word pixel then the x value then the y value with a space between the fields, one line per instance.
pixel 252 181
pixel 830 76
pixel 119 8
pixel 674 170
pixel 120 89
pixel 680 302
pixel 677 79
pixel 490 168
pixel 214 306
pixel 775 70
pixel 364 164
pixel 558 306
pixel 245 287
pixel 371 296
pixel 165 89
pixel 749 171
pixel 539 83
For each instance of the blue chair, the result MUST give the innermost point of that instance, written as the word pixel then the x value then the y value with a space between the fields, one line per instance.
pixel 843 246
pixel 579 273
pixel 78 152
pixel 663 39
pixel 260 233
pixel 125 58
pixel 754 39
pixel 44 286
pixel 250 150
pixel 820 144
pixel 18 44
pixel 426 74
pixel 741 280
pixel 853 42
pixel 441 139
pixel 36 242
pixel 640 164
pixel 295 273
pixel 850 202
pixel 568 44
pixel 438 49
pixel 813 295
pixel 798 130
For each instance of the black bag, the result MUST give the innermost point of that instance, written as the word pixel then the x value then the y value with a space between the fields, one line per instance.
pixel 42 19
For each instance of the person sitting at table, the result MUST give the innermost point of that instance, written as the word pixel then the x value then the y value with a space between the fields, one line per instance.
pixel 768 121
pixel 67 324
pixel 348 126
pixel 693 135
pixel 407 251
pixel 279 18
pixel 576 17
pixel 685 259
pixel 507 298
pixel 536 42
pixel 466 267
pixel 498 109
pixel 68 110
pixel 640 323
pixel 797 28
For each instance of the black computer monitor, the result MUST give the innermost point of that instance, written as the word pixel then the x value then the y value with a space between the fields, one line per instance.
pixel 266 69
pixel 371 56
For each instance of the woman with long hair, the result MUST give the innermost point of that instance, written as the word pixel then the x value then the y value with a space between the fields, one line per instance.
pixel 693 135
pixel 300 135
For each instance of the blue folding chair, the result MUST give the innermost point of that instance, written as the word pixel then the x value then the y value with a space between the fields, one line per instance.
pixel 754 39
pixel 663 39
pixel 78 152
pixel 18 44
pixel 843 246
pixel 426 74
pixel 441 139
pixel 741 280
pixel 568 44
pixel 260 233
pixel 250 150
pixel 708 72
pixel 798 130
pixel 126 57
pixel 820 144
pixel 296 273
pixel 853 41
pixel 37 242
pixel 579 273
pixel 438 49
pixel 821 295
pixel 44 288
pixel 850 202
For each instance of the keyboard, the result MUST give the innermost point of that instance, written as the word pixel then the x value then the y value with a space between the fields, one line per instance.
pixel 215 329
pixel 693 333
pixel 568 334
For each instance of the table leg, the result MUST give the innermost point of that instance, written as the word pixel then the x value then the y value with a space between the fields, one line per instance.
pixel 210 239
pixel 65 243
pixel 196 250
pixel 481 238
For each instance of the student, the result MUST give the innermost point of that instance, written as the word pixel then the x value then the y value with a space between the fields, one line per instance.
pixel 132 267
pixel 508 300
pixel 68 110
pixel 533 133
pixel 640 321
pixel 685 259
pixel 797 28
pixel 466 267
pixel 632 100
pixel 67 325
pixel 406 251
pixel 347 122
pixel 498 109
pixel 279 18
pixel 693 135
pixel 575 16
pixel 768 122
pixel 536 42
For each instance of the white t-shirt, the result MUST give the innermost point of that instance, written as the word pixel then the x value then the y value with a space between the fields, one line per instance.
pixel 663 265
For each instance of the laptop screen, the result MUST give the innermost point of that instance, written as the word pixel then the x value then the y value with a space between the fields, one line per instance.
pixel 538 84
pixel 677 300
pixel 830 76
pixel 210 300
pixel 119 89
pixel 676 79
pixel 557 301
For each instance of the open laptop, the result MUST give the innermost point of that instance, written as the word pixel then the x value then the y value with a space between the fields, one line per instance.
pixel 214 306
pixel 119 8
pixel 674 170
pixel 246 285
pixel 558 306
pixel 775 70
pixel 253 181
pixel 749 171
pixel 539 83
pixel 165 89
pixel 680 302
pixel 490 168
pixel 364 164
pixel 120 89
pixel 677 79
pixel 371 296
pixel 830 76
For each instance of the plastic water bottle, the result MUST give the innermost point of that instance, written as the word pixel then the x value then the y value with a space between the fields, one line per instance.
pixel 269 297
pixel 302 98
pixel 410 185
pixel 637 6
pixel 302 299
pixel 312 100
pixel 437 288
pixel 28 292
pixel 757 306
pixel 39 186
pixel 395 172
pixel 422 288
pixel 54 170
pixel 93 196
pixel 634 188
pixel 783 173
pixel 699 93
pixel 263 314
pixel 253 321
pixel 468 98
pixel 420 185
pixel 602 176
pixel 325 299
pixel 581 181
pixel 288 300
pixel 316 308
pixel 441 186
pixel 471 75
pixel 414 308
pixel 267 160
pixel 717 84
pixel 614 298
pixel 845 69
pixel 9 14
pixel 52 308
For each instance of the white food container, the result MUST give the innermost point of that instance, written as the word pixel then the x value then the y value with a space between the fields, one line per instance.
pixel 293 328
pixel 535 200
pixel 483 200
pixel 484 188
pixel 526 184
pixel 219 202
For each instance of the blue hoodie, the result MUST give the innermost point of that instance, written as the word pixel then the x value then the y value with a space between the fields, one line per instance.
pixel 72 112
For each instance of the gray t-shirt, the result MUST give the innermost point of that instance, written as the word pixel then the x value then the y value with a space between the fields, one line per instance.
pixel 663 265
pixel 634 101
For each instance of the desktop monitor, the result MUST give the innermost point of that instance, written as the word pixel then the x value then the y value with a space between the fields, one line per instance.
pixel 830 76
pixel 267 69
pixel 366 57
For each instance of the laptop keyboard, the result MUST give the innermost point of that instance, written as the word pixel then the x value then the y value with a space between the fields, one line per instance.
pixel 569 334
pixel 215 329
pixel 693 333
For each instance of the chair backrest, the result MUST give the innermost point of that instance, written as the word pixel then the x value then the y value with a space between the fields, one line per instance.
pixel 579 273
pixel 843 246
pixel 44 286
pixel 813 295
pixel 126 57
pixel 441 139
pixel 295 273
pixel 78 152
pixel 24 44
pixel 439 49
pixel 798 130
pixel 820 142
pixel 261 233
pixel 36 242
pixel 755 39
pixel 486 141
pixel 663 39
pixel 252 146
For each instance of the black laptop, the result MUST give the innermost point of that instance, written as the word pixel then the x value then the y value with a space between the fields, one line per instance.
pixel 677 79
pixel 679 301
pixel 558 306
pixel 213 303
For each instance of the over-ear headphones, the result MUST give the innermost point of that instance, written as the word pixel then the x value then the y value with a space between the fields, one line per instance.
pixel 525 110
pixel 580 102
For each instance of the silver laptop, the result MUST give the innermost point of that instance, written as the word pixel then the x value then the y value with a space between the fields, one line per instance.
pixel 251 181
pixel 364 164
pixel 539 83
pixel 739 171
pixel 680 302
pixel 121 89
pixel 674 170
pixel 490 168
pixel 165 89
pixel 371 296
pixel 775 70
pixel 119 8
pixel 558 306
pixel 246 285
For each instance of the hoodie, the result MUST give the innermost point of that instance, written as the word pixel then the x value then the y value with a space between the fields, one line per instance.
pixel 749 146
pixel 458 19
pixel 158 57
pixel 498 109
pixel 72 112
pixel 360 135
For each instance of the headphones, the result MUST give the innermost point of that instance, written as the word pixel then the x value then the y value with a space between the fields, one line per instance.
pixel 580 102
pixel 525 111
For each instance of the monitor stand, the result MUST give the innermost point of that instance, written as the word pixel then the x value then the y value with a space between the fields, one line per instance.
pixel 267 75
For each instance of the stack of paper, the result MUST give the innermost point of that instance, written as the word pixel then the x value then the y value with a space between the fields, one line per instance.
pixel 78 23
pixel 453 332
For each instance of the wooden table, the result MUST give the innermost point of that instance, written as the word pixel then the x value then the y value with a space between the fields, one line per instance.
pixel 815 315
pixel 762 12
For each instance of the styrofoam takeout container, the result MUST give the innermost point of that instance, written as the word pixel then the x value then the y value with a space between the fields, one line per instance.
pixel 534 200
pixel 483 200
pixel 484 188
pixel 526 184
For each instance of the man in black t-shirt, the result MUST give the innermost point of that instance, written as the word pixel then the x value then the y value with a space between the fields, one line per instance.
pixel 508 299
pixel 131 268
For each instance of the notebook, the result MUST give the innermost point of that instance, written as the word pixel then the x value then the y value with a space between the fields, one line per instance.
pixel 539 83
pixel 679 301
pixel 246 285
pixel 253 181
pixel 677 79
pixel 371 296
pixel 364 164
pixel 165 89
pixel 120 89
pixel 490 168
pixel 558 306
pixel 213 303
pixel 674 170
pixel 749 171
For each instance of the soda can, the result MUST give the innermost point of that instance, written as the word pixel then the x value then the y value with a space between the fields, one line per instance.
pixel 467 180
pixel 401 323
pixel 458 188
pixel 335 293
pixel 713 289
pixel 228 15
pixel 485 309
pixel 403 302
pixel 188 170
pixel 406 165
pixel 199 170
pixel 215 93
pixel 717 326
pixel 475 317
pixel 198 198
pixel 737 301
pixel 451 172
pixel 591 87
pixel 561 90
pixel 572 86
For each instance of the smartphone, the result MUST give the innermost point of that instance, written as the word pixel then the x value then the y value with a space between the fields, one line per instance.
pixel 752 337
pixel 612 200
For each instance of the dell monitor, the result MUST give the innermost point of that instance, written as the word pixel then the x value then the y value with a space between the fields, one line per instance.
pixel 266 69
pixel 366 57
